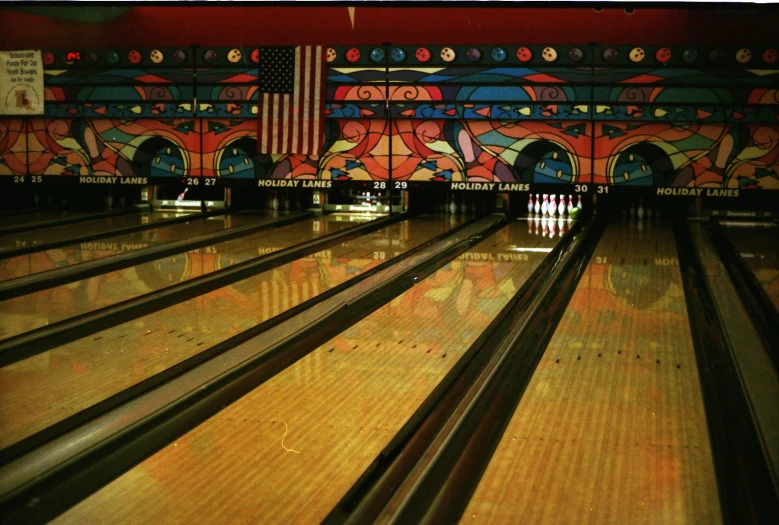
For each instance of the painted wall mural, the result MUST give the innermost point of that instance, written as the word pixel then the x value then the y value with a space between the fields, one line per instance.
pixel 621 115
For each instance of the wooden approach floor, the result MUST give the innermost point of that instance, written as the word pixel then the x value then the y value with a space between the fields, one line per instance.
pixel 45 389
pixel 290 449
pixel 35 310
pixel 45 260
pixel 611 429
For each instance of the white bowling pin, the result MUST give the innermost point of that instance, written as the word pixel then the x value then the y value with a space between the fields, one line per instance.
pixel 552 207
pixel 560 225
pixel 552 225
pixel 275 203
pixel 537 207
pixel 545 205
pixel 561 206
pixel 649 213
pixel 640 212
pixel 535 222
pixel 464 206
pixel 530 203
pixel 579 202
pixel 544 226
pixel 453 206
pixel 632 210
pixel 109 201
pixel 570 204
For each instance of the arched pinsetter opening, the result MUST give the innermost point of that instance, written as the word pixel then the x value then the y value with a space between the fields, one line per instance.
pixel 544 162
pixel 159 157
pixel 642 165
pixel 239 159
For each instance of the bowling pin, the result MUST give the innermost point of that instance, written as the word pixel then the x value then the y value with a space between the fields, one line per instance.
pixel 640 212
pixel 544 226
pixel 275 202
pixel 579 202
pixel 286 201
pixel 109 201
pixel 545 205
pixel 453 206
pixel 552 225
pixel 182 194
pixel 530 204
pixel 537 207
pixel 560 225
pixel 570 204
pixel 464 206
pixel 632 210
pixel 649 213
pixel 552 207
pixel 36 199
pixel 536 221
pixel 529 227
pixel 561 206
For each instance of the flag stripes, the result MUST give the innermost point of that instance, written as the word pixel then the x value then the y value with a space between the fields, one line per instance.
pixel 291 114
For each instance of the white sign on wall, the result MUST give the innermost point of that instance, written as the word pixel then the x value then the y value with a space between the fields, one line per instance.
pixel 21 83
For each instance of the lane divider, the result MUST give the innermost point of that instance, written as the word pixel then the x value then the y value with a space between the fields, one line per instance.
pixel 6 230
pixel 744 480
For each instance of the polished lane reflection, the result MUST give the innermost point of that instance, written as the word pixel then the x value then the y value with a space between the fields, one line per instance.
pixel 612 427
pixel 289 450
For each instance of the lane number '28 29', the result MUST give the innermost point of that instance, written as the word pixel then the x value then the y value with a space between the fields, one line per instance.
pixel 398 185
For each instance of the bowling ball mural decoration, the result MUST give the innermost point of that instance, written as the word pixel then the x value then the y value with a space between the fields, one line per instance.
pixel 353 55
pixel 770 56
pixel 498 54
pixel 330 54
pixel 743 55
pixel 690 55
pixel 631 169
pixel 112 57
pixel 156 56
pixel 179 56
pixel 47 57
pixel 234 55
pixel 422 54
pixel 210 56
pixel 90 57
pixel 134 56
pixel 473 54
pixel 636 55
pixel 234 161
pixel 549 54
pixel 553 166
pixel 398 55
pixel 524 54
pixel 610 54
pixel 255 56
pixel 575 54
pixel 716 55
pixel 663 55
pixel 448 54
pixel 377 54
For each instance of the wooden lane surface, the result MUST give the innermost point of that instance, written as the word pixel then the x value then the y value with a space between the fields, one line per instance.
pixel 57 233
pixel 31 218
pixel 35 310
pixel 289 450
pixel 753 363
pixel 45 389
pixel 32 263
pixel 763 243
pixel 611 428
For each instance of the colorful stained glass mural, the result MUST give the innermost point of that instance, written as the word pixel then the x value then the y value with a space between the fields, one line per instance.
pixel 621 115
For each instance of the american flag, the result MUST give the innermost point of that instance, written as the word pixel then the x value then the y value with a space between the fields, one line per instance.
pixel 291 104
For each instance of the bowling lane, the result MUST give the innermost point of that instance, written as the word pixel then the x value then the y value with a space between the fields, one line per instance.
pixel 758 247
pixel 47 388
pixel 615 432
pixel 294 446
pixel 45 260
pixel 31 311
pixel 66 231
pixel 31 218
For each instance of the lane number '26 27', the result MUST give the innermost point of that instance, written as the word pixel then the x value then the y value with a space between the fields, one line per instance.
pixel 195 181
